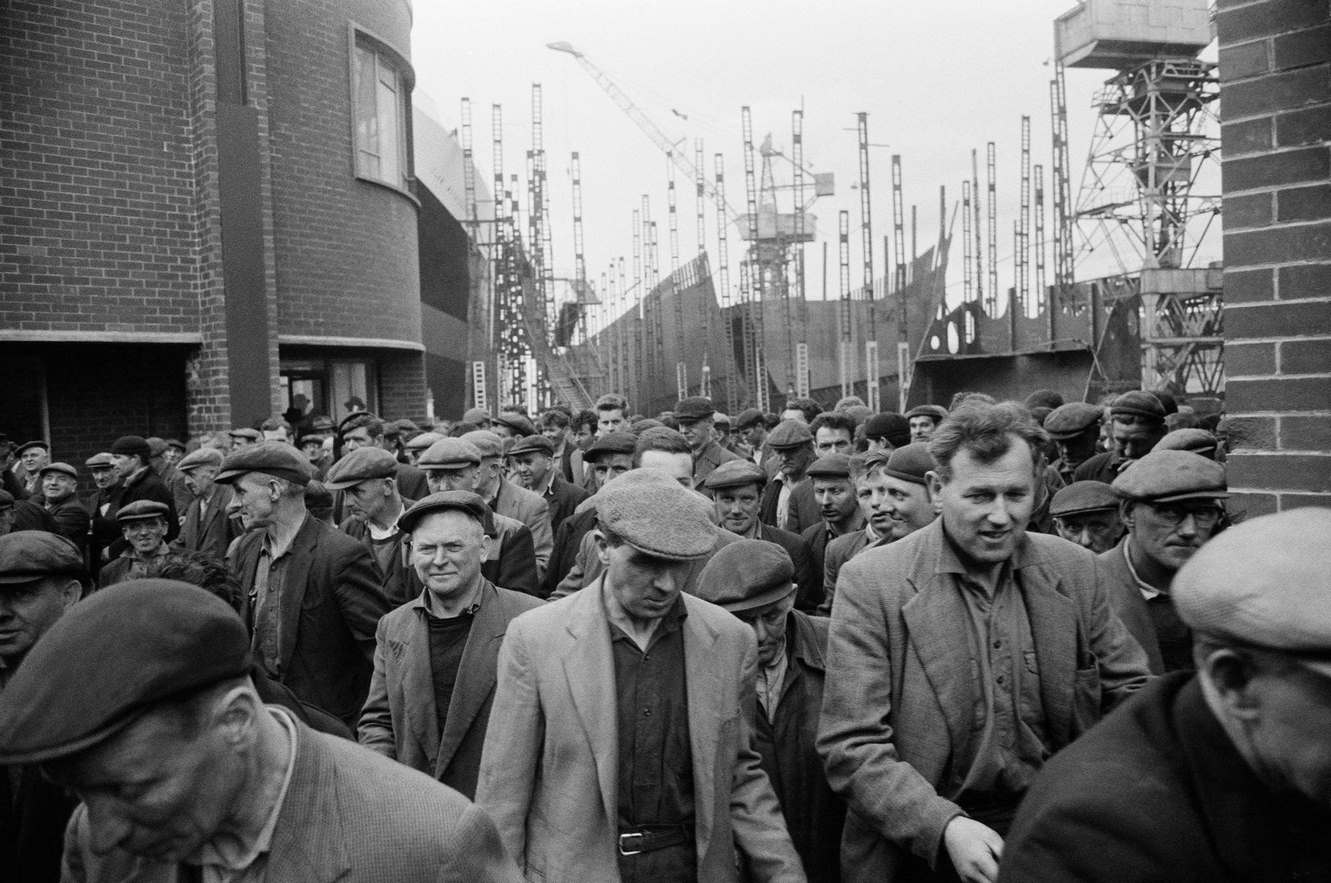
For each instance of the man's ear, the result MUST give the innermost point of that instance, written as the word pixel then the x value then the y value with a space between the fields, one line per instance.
pixel 237 711
pixel 933 484
pixel 1231 674
pixel 1125 514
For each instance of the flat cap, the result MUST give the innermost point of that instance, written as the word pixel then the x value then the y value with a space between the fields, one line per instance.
pixel 1083 496
pixel 322 423
pixel 789 434
pixel 720 418
pixel 654 514
pixel 910 463
pixel 102 460
pixel 488 443
pixel 611 443
pixel 111 658
pixel 890 426
pixel 747 574
pixel 423 441
pixel 247 433
pixel 176 443
pixel 6 500
pixel 1192 438
pixel 735 473
pixel 532 444
pixel 748 417
pixel 1138 404
pixel 478 416
pixel 1167 476
pixel 139 510
pixel 1071 420
pixel 638 427
pixel 131 446
pixel 362 464
pixel 63 468
pixel 516 422
pixel 937 412
pixel 1043 398
pixel 277 459
pixel 1263 582
pixel 830 466
pixel 206 456
pixel 36 443
pixel 444 501
pixel 28 555
pixel 450 453
pixel 156 446
pixel 694 408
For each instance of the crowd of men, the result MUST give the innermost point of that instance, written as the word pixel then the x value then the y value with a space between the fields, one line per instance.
pixel 1017 641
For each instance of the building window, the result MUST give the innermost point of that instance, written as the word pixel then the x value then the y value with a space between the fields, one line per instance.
pixel 380 87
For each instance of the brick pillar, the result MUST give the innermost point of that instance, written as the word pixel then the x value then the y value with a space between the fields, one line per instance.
pixel 1275 73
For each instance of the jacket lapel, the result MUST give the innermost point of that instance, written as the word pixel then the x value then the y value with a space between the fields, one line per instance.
pixel 418 683
pixel 308 842
pixel 478 663
pixel 293 586
pixel 589 666
pixel 1054 630
pixel 936 619
pixel 703 687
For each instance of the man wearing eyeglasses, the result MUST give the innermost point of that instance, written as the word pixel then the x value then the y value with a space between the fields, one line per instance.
pixel 1171 506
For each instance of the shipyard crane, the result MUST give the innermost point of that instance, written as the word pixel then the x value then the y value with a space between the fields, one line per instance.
pixel 659 138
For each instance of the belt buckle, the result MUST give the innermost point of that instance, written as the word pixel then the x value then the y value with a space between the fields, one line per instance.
pixel 623 850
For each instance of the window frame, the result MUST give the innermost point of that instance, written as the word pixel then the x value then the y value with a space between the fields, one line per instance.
pixel 385 58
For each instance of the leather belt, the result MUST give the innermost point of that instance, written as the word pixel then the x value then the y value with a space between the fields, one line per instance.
pixel 653 837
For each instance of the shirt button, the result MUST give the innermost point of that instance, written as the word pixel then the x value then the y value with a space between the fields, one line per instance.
pixel 998 645
pixel 646 712
pixel 1000 679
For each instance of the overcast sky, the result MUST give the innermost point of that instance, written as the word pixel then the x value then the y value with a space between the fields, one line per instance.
pixel 937 79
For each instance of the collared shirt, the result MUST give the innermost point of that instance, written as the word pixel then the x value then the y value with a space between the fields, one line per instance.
pixel 783 499
pixel 251 866
pixel 770 681
pixel 1171 632
pixel 269 581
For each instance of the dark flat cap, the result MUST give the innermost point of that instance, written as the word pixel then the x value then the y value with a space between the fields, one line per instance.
pixel 139 510
pixel 487 442
pixel 1043 398
pixel 36 443
pixel 654 514
pixel 102 460
pixel 830 466
pixel 112 657
pixel 748 417
pixel 63 468
pixel 611 443
pixel 1192 438
pixel 736 473
pixel 323 423
pixel 277 459
pixel 1071 420
pixel 910 463
pixel 516 422
pixel 938 412
pixel 362 464
pixel 893 427
pixel 532 444
pixel 789 434
pixel 694 408
pixel 156 446
pixel 450 453
pixel 131 446
pixel 1083 496
pixel 747 574
pixel 6 500
pixel 201 457
pixel 246 432
pixel 445 501
pixel 28 555
pixel 1166 476
pixel 1138 404
pixel 477 416
pixel 423 441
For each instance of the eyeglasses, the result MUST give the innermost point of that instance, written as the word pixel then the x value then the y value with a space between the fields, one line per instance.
pixel 1174 513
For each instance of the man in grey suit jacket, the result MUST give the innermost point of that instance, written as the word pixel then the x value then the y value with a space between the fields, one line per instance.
pixel 141 703
pixel 507 499
pixel 620 743
pixel 434 659
pixel 960 657
pixel 207 527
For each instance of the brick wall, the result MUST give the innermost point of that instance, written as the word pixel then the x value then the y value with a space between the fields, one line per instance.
pixel 1275 71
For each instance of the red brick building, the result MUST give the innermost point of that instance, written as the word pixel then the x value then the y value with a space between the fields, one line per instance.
pixel 1275 70
pixel 206 207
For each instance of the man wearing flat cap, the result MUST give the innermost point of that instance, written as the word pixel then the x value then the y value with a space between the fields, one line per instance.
pixel 59 487
pixel 32 456
pixel 139 482
pixel 1171 504
pixel 453 464
pixel 887 432
pixel 788 501
pixel 736 489
pixel 363 429
pixel 1075 430
pixel 102 507
pixel 533 463
pixel 751 429
pixel 310 593
pixel 507 499
pixel 892 492
pixel 838 510
pixel 40 576
pixel 1086 513
pixel 367 478
pixel 434 662
pixel 1221 774
pixel 143 526
pixel 244 437
pixel 961 657
pixel 144 707
pixel 924 419
pixel 607 457
pixel 208 527
pixel 1191 438
pixel 621 743
pixel 753 580
pixel 1136 423
pixel 696 419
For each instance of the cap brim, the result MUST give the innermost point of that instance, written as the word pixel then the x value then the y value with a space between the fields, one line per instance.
pixel 1190 495
pixel 762 599
pixel 1085 510
pixel 672 556
pixel 73 746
